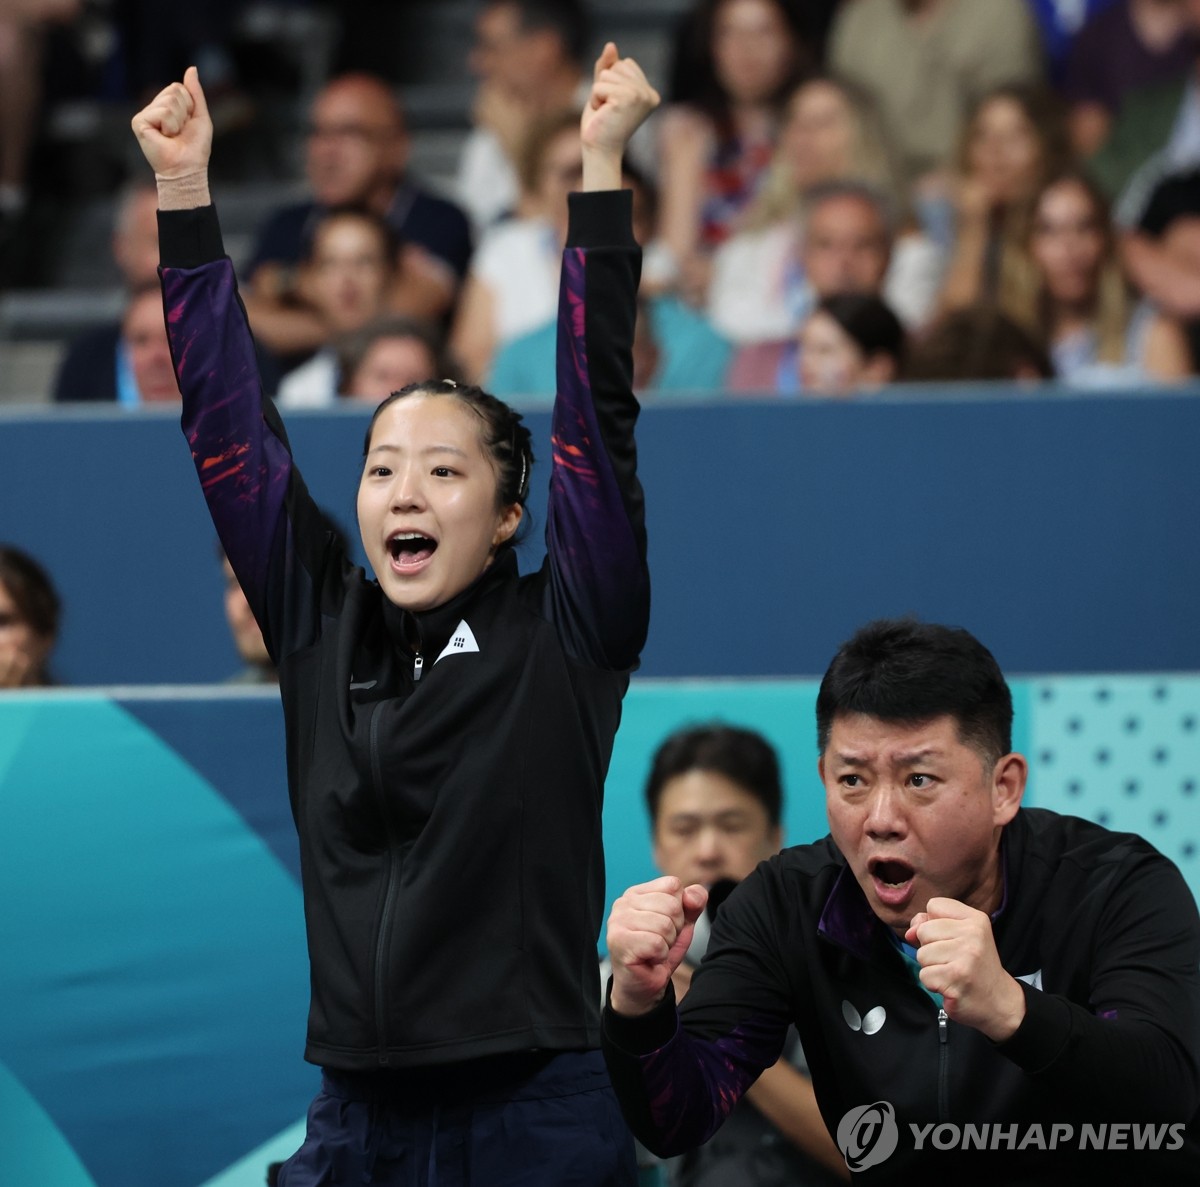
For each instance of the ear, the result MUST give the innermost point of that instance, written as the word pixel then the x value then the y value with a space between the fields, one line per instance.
pixel 1008 786
pixel 507 524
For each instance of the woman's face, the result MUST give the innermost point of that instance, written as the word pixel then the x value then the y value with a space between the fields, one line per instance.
pixel 23 652
pixel 349 272
pixel 427 500
pixel 1069 242
pixel 831 362
pixel 390 364
pixel 817 137
pixel 753 49
pixel 1005 152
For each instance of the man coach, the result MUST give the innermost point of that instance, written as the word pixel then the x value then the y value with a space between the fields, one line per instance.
pixel 985 991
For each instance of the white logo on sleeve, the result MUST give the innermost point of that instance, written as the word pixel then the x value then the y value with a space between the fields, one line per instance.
pixel 869 1023
pixel 462 641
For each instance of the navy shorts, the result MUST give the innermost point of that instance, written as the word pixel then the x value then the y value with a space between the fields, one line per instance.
pixel 543 1119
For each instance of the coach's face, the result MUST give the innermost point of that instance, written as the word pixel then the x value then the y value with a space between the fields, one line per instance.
pixel 917 813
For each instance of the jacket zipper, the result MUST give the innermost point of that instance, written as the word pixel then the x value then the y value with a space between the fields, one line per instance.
pixel 381 943
pixel 393 871
pixel 943 1066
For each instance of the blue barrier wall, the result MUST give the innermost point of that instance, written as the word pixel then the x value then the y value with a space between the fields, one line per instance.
pixel 153 983
pixel 1060 528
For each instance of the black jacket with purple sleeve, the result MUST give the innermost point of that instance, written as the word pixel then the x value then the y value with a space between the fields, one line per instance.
pixel 446 768
pixel 1100 928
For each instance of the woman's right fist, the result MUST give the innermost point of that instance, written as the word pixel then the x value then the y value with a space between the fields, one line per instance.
pixel 175 131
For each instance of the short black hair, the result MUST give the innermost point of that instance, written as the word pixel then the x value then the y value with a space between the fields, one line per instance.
pixel 903 670
pixel 869 322
pixel 567 18
pixel 743 756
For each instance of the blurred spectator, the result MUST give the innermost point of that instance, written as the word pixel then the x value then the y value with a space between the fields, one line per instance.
pixel 976 343
pixel 247 636
pixel 830 132
pixel 738 60
pixel 765 287
pixel 345 282
pixel 357 155
pixel 385 356
pixel 529 58
pixel 1155 133
pixel 926 62
pixel 760 288
pixel 1162 252
pixel 148 376
pixel 849 344
pixel 142 372
pixel 93 361
pixel 1016 137
pixel 29 618
pixel 22 29
pixel 1072 295
pixel 1059 23
pixel 512 288
pixel 1129 45
pixel 676 351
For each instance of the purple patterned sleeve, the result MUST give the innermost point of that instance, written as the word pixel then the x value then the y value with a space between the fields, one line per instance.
pixel 244 468
pixel 677 1095
pixel 595 531
pixel 275 537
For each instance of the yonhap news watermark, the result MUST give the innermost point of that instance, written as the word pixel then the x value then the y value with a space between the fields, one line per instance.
pixel 869 1134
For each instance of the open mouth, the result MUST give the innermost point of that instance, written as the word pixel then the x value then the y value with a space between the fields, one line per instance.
pixel 893 880
pixel 410 550
pixel 892 873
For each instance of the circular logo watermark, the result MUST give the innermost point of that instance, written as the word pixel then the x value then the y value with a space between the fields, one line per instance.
pixel 867 1135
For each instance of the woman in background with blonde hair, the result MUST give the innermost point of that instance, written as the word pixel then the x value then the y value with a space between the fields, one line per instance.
pixel 830 133
pixel 1014 139
pixel 1067 288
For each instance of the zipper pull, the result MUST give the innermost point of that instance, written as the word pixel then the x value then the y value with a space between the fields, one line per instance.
pixel 418 664
pixel 942 1016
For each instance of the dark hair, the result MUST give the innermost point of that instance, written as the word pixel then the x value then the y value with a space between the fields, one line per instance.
pixel 33 594
pixel 384 229
pixel 741 755
pixel 505 437
pixel 353 347
pixel 902 670
pixel 693 73
pixel 567 18
pixel 869 321
pixel 976 343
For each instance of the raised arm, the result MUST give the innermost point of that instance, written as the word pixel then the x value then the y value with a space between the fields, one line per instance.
pixel 596 540
pixel 258 503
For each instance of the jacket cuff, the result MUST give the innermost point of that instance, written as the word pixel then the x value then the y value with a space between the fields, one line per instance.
pixel 646 1032
pixel 189 238
pixel 601 218
pixel 1043 1034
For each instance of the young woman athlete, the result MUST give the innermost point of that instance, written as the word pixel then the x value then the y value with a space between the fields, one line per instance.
pixel 449 724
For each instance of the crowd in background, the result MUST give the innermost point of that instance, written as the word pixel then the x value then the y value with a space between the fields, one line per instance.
pixel 838 194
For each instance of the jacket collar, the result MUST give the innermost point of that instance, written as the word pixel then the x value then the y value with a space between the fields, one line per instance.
pixel 428 631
